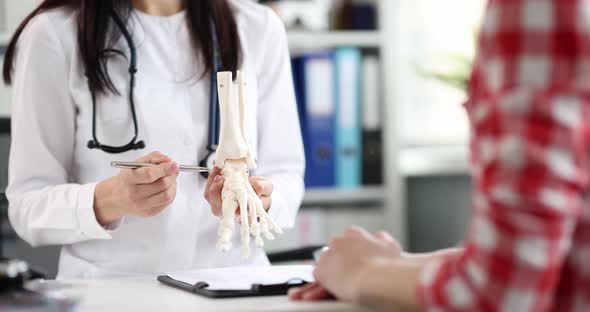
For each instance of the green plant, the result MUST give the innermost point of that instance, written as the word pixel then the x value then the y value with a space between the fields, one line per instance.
pixel 458 77
pixel 460 65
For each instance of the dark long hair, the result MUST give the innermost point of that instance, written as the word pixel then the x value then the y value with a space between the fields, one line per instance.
pixel 94 22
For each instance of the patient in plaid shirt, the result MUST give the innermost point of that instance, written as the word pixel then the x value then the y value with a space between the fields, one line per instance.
pixel 528 245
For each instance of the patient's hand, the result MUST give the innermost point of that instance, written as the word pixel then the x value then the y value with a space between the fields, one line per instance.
pixel 310 292
pixel 339 268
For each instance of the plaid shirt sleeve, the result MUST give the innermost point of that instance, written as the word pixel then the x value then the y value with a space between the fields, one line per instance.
pixel 528 106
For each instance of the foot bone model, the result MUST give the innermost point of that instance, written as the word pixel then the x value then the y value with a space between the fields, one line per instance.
pixel 234 158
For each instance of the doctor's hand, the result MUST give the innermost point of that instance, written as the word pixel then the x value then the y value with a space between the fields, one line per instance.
pixel 142 192
pixel 339 269
pixel 262 186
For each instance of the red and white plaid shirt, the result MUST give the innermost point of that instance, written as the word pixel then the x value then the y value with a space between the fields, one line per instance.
pixel 528 246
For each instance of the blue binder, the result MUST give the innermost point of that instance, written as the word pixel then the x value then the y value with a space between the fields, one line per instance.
pixel 348 125
pixel 314 85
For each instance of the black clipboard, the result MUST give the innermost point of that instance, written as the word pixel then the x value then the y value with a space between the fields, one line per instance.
pixel 257 290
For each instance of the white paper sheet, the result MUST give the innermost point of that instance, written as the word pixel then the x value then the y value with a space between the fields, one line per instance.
pixel 242 278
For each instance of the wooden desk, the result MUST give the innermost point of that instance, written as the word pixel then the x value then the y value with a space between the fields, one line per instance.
pixel 150 295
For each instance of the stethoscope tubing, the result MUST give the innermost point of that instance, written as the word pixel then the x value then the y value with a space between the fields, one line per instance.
pixel 213 135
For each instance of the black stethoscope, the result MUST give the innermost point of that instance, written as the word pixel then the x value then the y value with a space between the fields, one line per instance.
pixel 134 144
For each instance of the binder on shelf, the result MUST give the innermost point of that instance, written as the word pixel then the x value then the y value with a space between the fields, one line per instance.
pixel 364 16
pixel 348 125
pixel 372 123
pixel 356 16
pixel 314 85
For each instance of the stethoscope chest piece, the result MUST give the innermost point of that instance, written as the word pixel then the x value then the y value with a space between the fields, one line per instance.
pixel 208 162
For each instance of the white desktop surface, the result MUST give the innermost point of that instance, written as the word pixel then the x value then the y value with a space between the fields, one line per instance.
pixel 149 295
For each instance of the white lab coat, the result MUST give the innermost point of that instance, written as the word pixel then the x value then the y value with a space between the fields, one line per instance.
pixel 53 174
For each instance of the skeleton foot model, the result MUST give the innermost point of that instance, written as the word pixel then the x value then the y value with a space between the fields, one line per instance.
pixel 234 158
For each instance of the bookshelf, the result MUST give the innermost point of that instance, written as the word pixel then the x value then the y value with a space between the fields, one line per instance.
pixel 389 196
pixel 450 159
pixel 394 204
pixel 307 39
pixel 371 195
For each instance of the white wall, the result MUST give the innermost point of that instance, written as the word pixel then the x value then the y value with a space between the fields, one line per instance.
pixel 12 12
pixel 428 34
pixel 15 11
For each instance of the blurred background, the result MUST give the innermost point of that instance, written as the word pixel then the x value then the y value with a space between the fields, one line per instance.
pixel 380 86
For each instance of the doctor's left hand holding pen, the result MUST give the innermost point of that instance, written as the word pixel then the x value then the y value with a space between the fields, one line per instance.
pixel 142 192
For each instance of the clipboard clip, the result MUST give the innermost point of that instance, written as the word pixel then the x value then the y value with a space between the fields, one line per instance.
pixel 278 288
pixel 200 285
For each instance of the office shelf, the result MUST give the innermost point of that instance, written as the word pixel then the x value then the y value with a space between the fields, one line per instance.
pixel 308 39
pixel 334 197
pixel 390 196
pixel 434 160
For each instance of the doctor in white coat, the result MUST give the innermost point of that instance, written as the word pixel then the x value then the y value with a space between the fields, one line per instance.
pixel 62 190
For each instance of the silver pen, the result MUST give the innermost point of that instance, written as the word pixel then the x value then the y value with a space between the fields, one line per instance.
pixel 137 165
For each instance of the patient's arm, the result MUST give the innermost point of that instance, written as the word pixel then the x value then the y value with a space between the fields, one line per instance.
pixel 421 258
pixel 391 284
